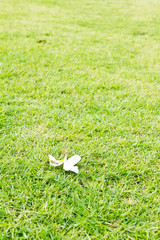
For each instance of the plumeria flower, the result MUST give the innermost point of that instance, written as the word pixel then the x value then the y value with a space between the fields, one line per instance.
pixel 68 165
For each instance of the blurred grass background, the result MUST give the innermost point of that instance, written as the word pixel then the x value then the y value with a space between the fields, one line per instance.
pixel 82 75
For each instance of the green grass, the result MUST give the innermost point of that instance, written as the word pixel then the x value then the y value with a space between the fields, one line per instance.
pixel 85 76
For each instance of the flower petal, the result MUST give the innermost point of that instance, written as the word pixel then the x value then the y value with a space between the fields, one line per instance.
pixel 74 160
pixel 54 162
pixel 71 168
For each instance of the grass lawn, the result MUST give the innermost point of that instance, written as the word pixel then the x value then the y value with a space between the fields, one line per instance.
pixel 82 75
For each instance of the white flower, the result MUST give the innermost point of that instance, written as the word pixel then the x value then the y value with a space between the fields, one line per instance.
pixel 68 165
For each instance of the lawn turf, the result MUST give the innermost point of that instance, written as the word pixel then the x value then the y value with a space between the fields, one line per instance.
pixel 84 76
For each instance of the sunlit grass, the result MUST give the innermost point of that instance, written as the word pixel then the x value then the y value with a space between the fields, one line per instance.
pixel 80 75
